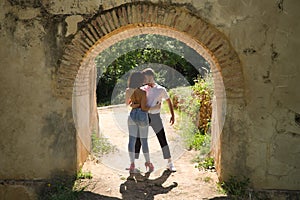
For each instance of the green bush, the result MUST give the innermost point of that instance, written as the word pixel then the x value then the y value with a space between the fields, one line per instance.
pixel 191 136
pixel 101 145
pixel 207 164
pixel 196 102
pixel 235 188
pixel 60 189
pixel 194 107
pixel 84 175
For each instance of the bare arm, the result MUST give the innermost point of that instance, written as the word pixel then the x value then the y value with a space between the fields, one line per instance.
pixel 128 94
pixel 172 119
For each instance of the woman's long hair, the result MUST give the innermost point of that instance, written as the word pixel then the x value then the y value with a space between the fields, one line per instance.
pixel 136 80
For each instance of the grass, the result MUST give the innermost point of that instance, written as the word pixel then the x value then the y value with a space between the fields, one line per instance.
pixel 194 110
pixel 192 137
pixel 84 175
pixel 207 179
pixel 101 145
pixel 234 187
pixel 207 163
pixel 65 189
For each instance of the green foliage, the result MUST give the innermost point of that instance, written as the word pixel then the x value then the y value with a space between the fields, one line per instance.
pixel 84 175
pixel 65 189
pixel 189 102
pixel 192 137
pixel 126 55
pixel 235 187
pixel 101 145
pixel 207 164
pixel 194 107
pixel 200 141
pixel 196 102
pixel 204 85
pixel 207 179
pixel 61 190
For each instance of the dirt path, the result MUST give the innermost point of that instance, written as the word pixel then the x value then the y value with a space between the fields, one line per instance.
pixel 111 180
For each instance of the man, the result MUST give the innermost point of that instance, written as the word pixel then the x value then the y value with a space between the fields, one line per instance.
pixel 155 94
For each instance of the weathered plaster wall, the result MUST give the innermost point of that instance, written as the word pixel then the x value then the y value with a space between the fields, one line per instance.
pixel 266 36
pixel 32 119
pixel 38 135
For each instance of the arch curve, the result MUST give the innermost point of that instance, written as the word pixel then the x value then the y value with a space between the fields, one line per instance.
pixel 119 23
pixel 215 47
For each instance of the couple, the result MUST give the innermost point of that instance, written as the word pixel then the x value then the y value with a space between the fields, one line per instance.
pixel 145 102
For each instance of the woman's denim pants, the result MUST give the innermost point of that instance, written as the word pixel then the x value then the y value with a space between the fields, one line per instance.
pixel 138 124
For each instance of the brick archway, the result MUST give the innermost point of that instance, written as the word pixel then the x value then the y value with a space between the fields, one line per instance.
pixel 133 19
pixel 119 19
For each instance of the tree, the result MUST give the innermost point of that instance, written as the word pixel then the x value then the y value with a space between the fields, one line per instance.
pixel 131 53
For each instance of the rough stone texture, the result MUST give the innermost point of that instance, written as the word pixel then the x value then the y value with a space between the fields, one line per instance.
pixel 17 192
pixel 45 46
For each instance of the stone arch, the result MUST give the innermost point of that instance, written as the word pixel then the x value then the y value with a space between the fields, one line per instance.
pixel 124 17
pixel 77 60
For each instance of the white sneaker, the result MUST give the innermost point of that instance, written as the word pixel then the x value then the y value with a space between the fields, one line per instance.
pixel 171 167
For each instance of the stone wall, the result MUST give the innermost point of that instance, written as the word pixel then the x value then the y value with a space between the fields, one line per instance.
pixel 45 46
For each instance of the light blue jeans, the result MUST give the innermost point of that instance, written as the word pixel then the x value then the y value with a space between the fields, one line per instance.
pixel 138 124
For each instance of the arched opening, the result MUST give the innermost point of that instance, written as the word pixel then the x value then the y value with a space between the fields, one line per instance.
pixel 126 21
pixel 218 104
pixel 116 98
pixel 147 49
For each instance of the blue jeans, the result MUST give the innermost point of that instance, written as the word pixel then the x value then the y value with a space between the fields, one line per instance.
pixel 138 123
pixel 156 123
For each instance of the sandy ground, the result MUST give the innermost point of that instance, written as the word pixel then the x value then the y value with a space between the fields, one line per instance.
pixel 112 181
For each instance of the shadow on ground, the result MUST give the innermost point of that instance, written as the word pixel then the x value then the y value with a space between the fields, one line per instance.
pixel 94 196
pixel 138 186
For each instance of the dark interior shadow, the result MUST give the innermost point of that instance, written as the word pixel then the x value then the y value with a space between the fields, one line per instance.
pixel 220 198
pixel 138 186
pixel 93 196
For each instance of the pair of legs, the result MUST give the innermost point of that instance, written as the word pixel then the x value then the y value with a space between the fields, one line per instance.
pixel 143 142
pixel 138 125
pixel 155 122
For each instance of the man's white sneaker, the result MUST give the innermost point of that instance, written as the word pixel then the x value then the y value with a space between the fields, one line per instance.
pixel 171 167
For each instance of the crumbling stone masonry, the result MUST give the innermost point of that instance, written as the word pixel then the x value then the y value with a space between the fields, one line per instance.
pixel 48 71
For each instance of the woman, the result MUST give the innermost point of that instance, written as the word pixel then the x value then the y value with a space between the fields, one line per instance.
pixel 138 121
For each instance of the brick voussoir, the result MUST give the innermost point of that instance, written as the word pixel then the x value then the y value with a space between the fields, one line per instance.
pixel 97 29
pixel 191 21
pixel 115 19
pixel 146 13
pixel 93 31
pixel 139 14
pixel 219 51
pixel 77 44
pixel 101 25
pixel 82 40
pixel 105 23
pixel 88 37
pixel 160 15
pixel 110 20
pixel 214 43
pixel 68 68
pixel 73 49
pixel 180 24
pixel 129 13
pixel 154 14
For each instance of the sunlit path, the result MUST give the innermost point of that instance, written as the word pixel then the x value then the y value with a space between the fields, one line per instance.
pixel 113 126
